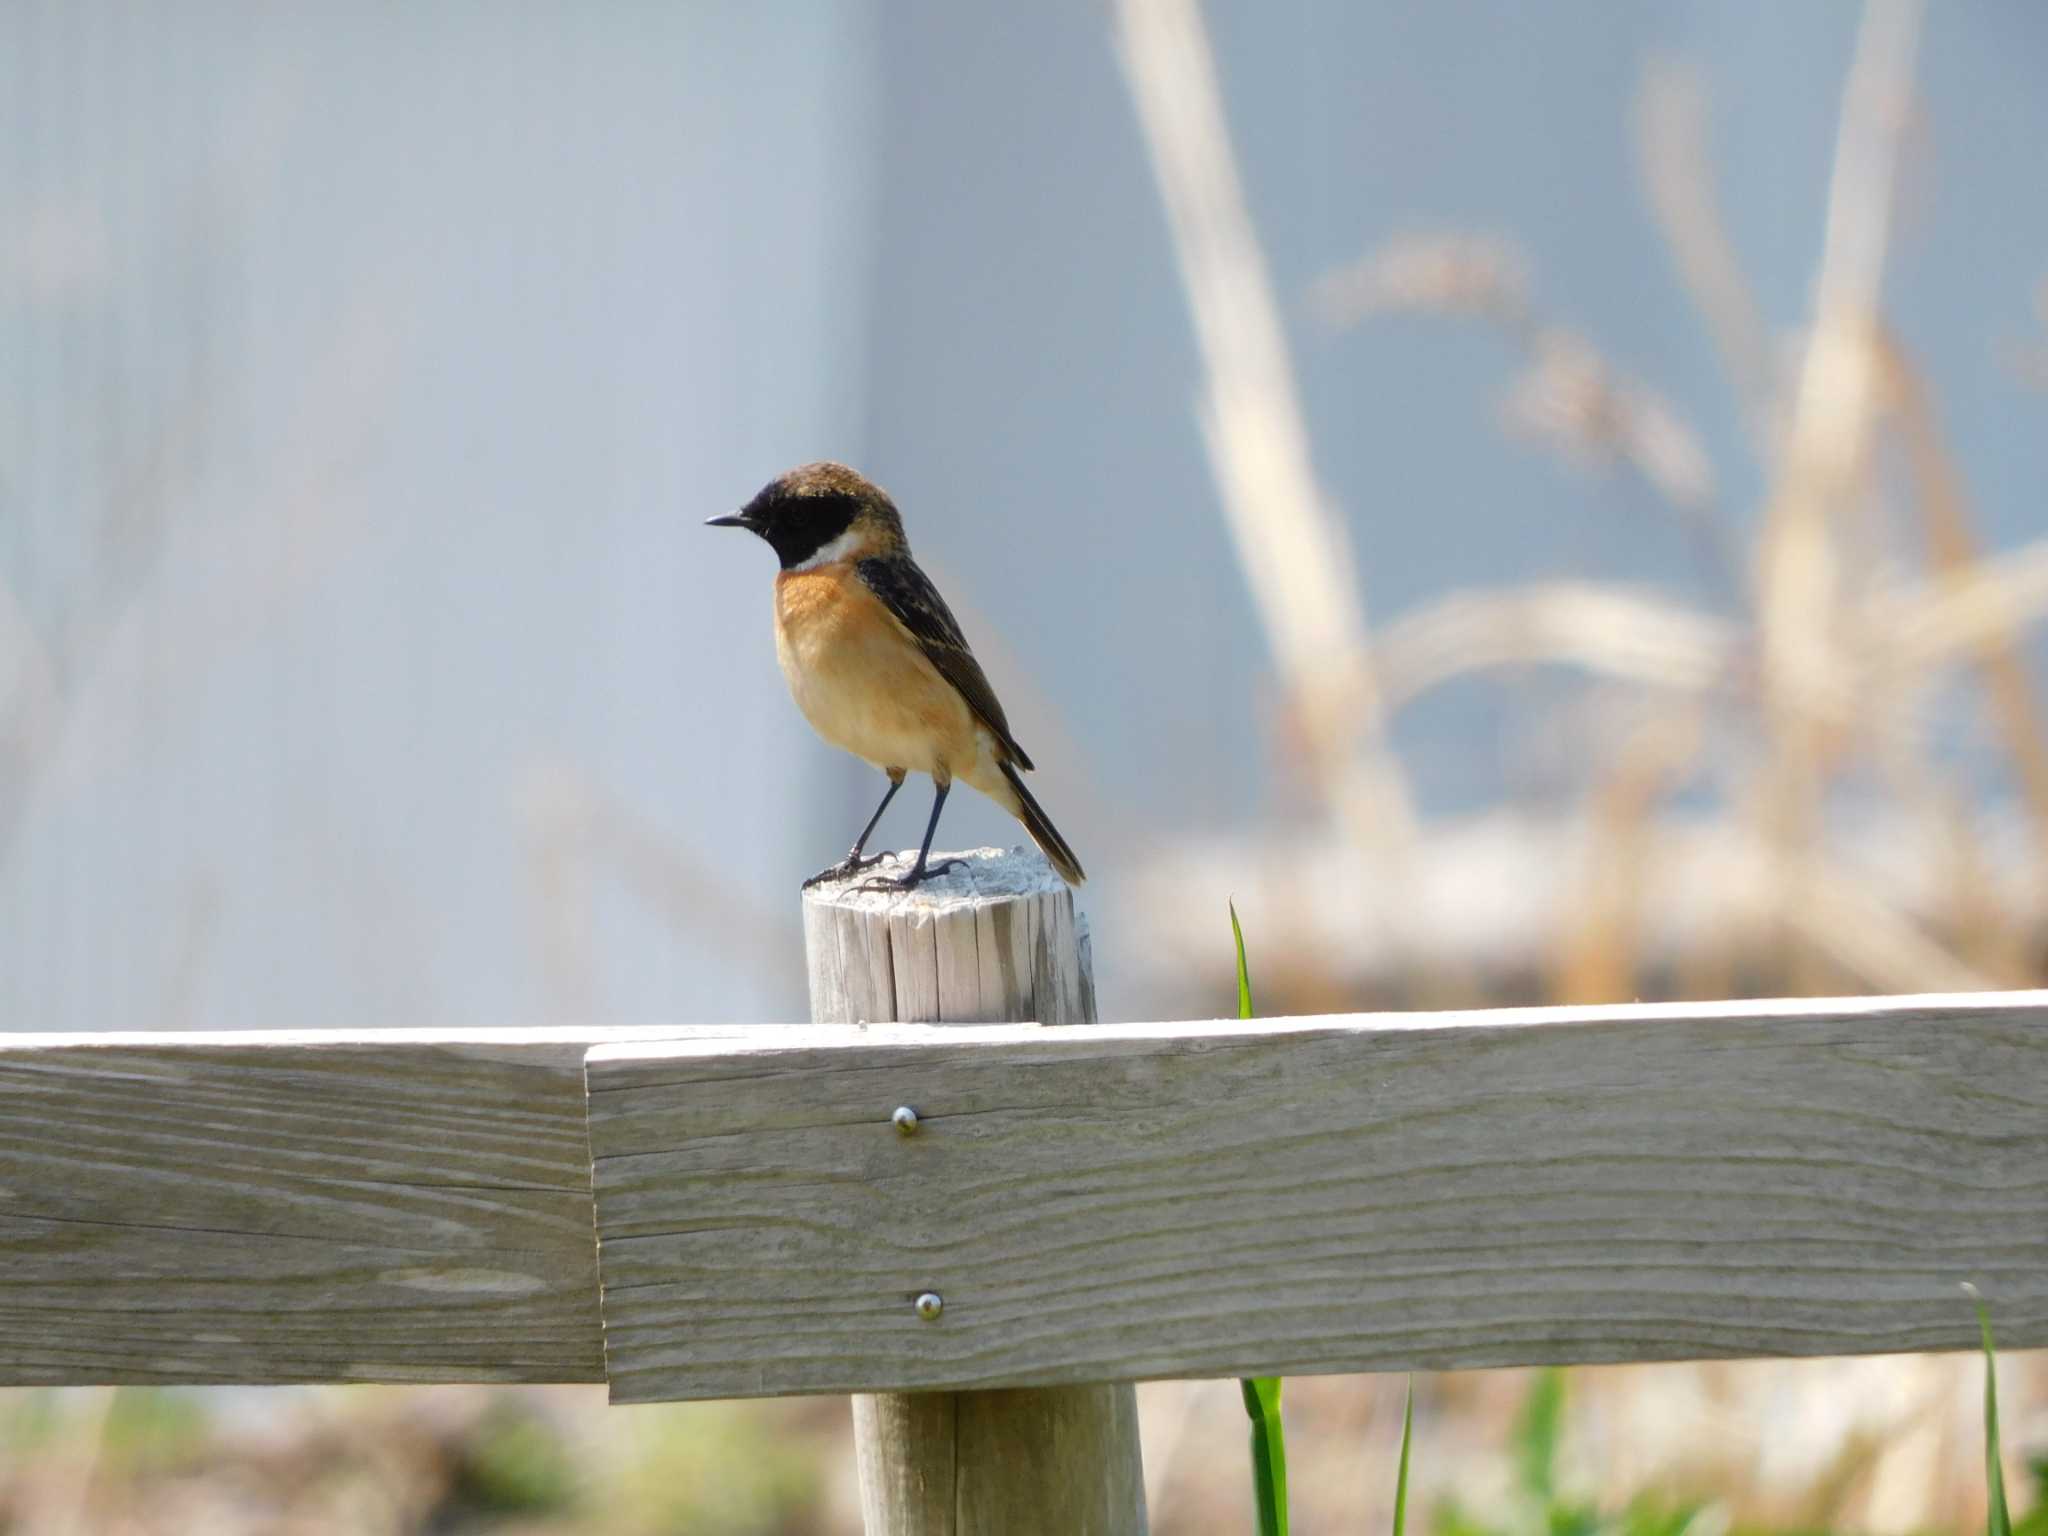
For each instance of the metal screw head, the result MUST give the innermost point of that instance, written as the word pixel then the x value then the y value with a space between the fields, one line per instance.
pixel 929 1306
pixel 905 1120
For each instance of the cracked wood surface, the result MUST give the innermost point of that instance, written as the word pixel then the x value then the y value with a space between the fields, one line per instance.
pixel 399 1205
pixel 1296 1196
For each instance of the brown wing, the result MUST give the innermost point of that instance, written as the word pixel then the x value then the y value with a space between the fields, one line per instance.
pixel 909 594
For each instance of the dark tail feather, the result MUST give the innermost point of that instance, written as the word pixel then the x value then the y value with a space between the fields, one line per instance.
pixel 1043 832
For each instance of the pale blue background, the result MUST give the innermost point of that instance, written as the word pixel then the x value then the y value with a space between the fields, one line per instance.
pixel 366 371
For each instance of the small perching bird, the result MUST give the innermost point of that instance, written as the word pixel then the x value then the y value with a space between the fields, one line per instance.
pixel 876 660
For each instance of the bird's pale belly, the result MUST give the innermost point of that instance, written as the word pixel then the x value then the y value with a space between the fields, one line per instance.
pixel 863 685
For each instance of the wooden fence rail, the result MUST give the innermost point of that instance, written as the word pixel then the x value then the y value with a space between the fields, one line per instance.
pixel 1291 1196
pixel 1308 1196
pixel 401 1205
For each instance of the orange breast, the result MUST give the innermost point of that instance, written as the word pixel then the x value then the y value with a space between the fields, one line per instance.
pixel 861 680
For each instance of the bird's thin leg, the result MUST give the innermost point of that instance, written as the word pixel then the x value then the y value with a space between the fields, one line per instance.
pixel 918 873
pixel 853 863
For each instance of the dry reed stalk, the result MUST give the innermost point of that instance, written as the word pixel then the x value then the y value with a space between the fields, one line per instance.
pixel 1678 180
pixel 1985 932
pixel 1610 630
pixel 1813 699
pixel 1295 550
pixel 1452 272
pixel 1954 550
pixel 1725 965
pixel 1799 580
pixel 1934 628
pixel 1601 935
pixel 1568 395
pixel 1843 921
pixel 1571 397
pixel 1709 968
pixel 1856 937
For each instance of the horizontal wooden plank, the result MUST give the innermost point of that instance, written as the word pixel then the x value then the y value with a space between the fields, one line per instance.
pixel 399 1205
pixel 1371 1193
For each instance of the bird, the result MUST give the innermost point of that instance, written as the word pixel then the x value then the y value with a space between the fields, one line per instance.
pixel 877 663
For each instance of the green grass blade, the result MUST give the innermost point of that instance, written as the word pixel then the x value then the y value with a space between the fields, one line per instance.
pixel 1998 1519
pixel 1537 1432
pixel 1269 1453
pixel 1262 1393
pixel 1401 1477
pixel 2035 1521
pixel 1244 977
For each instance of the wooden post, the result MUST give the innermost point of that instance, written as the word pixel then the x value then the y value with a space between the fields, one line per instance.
pixel 996 942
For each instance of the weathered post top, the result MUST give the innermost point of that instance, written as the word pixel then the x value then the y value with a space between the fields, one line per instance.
pixel 993 940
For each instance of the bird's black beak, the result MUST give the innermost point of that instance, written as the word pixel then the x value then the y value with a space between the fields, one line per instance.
pixel 730 520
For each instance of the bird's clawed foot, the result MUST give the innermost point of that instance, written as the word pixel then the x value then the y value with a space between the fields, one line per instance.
pixel 913 878
pixel 852 864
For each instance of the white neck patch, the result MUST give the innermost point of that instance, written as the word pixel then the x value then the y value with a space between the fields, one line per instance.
pixel 845 547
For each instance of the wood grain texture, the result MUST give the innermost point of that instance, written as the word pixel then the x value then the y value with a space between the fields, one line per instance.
pixel 1298 1196
pixel 1001 1463
pixel 256 1207
pixel 906 1444
pixel 997 939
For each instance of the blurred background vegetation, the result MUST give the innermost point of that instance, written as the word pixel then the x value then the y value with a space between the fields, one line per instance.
pixel 1540 503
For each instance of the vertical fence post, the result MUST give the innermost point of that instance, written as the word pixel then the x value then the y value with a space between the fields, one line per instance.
pixel 995 943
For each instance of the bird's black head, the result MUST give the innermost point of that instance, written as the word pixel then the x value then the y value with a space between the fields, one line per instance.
pixel 821 512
